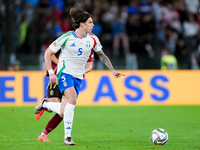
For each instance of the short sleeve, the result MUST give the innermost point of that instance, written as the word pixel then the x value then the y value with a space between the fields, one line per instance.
pixel 57 44
pixel 97 45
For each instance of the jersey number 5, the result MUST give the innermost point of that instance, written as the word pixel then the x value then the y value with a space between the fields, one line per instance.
pixel 80 51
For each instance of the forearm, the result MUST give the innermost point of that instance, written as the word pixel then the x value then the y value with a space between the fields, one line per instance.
pixel 88 67
pixel 106 61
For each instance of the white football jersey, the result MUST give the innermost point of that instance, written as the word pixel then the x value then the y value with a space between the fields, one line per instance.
pixel 74 52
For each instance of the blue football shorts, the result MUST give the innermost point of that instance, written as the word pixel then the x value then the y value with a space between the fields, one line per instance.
pixel 66 80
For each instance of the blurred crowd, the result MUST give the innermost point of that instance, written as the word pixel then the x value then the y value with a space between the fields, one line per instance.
pixel 137 31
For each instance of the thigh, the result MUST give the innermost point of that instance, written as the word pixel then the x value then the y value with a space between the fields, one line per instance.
pixel 116 39
pixel 54 99
pixel 125 40
pixel 69 96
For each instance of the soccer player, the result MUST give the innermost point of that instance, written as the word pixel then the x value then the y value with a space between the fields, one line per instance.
pixel 54 95
pixel 76 47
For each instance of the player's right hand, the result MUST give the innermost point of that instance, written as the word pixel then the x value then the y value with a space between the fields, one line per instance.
pixel 117 74
pixel 53 79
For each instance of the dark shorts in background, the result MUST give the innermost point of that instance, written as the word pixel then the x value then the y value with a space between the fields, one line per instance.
pixel 53 91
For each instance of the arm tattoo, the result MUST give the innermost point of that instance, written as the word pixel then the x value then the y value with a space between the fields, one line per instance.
pixel 104 59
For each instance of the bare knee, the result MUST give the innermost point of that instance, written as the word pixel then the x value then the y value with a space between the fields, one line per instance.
pixel 72 101
pixel 63 104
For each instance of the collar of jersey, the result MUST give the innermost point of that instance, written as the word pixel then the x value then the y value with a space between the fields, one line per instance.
pixel 73 33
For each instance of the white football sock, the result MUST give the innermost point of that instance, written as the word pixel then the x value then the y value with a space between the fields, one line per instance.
pixel 68 119
pixel 53 106
pixel 42 133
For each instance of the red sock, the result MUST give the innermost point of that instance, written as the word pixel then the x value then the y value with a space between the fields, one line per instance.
pixel 52 124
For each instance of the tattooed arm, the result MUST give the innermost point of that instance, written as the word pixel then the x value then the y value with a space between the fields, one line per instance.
pixel 107 62
pixel 104 59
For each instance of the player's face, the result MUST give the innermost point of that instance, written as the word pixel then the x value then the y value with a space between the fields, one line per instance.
pixel 88 25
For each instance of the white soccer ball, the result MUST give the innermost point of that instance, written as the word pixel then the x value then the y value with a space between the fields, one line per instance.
pixel 159 136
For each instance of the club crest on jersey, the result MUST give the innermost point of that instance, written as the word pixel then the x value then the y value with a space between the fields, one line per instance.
pixel 51 92
pixel 65 84
pixel 87 45
pixel 73 45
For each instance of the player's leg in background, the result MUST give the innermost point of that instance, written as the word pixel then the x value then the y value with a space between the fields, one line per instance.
pixel 54 96
pixel 116 44
pixel 52 124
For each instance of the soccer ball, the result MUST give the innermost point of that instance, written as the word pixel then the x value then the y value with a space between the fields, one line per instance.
pixel 159 136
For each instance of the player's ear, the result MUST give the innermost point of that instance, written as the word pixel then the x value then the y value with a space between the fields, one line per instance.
pixel 81 24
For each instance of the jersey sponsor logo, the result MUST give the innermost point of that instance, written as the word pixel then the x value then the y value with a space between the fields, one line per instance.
pixel 73 45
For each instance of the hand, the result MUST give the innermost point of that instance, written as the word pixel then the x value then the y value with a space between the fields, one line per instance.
pixel 117 74
pixel 53 78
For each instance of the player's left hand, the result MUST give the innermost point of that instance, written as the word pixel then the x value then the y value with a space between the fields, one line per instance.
pixel 117 74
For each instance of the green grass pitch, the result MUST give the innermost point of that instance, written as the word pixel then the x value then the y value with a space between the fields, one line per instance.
pixel 104 127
